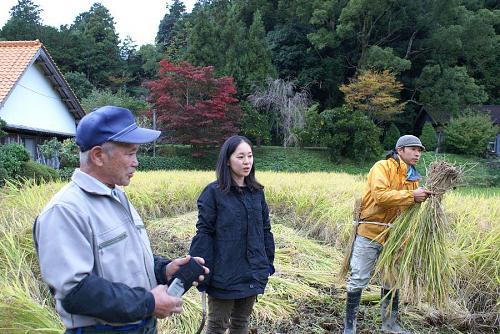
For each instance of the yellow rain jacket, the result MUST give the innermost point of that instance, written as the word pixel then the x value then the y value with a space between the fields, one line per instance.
pixel 386 195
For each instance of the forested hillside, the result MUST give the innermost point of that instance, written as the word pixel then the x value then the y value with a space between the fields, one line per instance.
pixel 364 65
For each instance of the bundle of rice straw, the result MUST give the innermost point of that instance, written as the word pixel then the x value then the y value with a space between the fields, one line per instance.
pixel 344 269
pixel 415 256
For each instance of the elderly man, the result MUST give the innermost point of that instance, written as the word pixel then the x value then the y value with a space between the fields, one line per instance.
pixel 92 246
pixel 392 187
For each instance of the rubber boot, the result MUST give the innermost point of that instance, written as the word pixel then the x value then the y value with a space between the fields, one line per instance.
pixel 351 311
pixel 389 317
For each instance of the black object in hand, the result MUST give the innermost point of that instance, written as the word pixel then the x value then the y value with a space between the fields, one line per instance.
pixel 183 279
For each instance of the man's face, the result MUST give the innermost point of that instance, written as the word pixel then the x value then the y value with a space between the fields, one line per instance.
pixel 410 154
pixel 119 163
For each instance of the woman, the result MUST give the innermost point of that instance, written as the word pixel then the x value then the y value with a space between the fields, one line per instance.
pixel 234 237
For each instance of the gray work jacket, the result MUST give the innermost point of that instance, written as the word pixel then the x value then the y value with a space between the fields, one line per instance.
pixel 84 231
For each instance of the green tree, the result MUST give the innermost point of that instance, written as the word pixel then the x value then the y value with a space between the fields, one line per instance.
pixel 204 47
pixel 448 91
pixel 363 21
pixel 380 59
pixel 481 47
pixel 99 98
pixel 66 47
pixel 25 22
pixel 350 133
pixel 101 59
pixel 150 58
pixel 311 134
pixel 79 83
pixel 469 134
pixel 391 137
pixel 429 137
pixel 259 65
pixel 178 45
pixel 167 29
pixel 291 51
pixel 254 125
pixel 324 18
pixel 234 39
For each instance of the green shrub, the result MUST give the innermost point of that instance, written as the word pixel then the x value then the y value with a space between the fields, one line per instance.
pixel 350 133
pixel 429 137
pixel 12 157
pixel 38 172
pixel 469 134
pixel 163 163
pixel 79 83
pixel 50 148
pixel 391 137
pixel 310 135
pixel 3 175
pixel 292 159
pixel 66 151
pixel 254 125
pixel 2 125
pixel 65 173
pixel 69 154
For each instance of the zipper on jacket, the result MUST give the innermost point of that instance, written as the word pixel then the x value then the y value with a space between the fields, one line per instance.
pixel 138 228
pixel 110 242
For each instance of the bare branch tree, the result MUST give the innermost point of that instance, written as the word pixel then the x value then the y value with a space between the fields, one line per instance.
pixel 281 96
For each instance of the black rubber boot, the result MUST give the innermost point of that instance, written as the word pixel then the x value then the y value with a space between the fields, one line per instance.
pixel 351 311
pixel 389 317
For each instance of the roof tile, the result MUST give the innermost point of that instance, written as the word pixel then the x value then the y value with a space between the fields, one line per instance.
pixel 15 56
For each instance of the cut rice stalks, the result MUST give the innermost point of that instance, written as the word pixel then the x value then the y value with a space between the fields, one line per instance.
pixel 416 256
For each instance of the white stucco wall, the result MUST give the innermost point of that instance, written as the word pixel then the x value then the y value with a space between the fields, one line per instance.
pixel 36 105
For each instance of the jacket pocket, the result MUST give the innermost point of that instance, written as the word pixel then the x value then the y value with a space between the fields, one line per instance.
pixel 230 266
pixel 119 252
pixel 229 224
pixel 113 240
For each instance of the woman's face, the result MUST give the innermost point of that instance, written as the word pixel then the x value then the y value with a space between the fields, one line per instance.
pixel 241 161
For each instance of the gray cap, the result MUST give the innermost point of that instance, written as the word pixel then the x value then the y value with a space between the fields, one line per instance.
pixel 409 140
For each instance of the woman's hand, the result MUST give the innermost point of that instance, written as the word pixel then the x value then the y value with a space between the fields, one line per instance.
pixel 174 266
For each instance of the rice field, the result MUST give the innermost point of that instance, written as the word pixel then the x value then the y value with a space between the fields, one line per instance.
pixel 311 216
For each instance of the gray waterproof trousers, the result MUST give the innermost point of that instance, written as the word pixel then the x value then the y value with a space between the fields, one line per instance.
pixel 364 256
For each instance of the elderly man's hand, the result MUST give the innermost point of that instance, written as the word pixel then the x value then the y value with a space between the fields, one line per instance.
pixel 165 305
pixel 174 266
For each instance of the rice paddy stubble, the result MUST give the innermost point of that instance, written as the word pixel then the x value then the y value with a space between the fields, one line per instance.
pixel 473 217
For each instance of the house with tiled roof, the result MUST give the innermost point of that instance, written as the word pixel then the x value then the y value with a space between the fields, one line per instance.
pixel 36 102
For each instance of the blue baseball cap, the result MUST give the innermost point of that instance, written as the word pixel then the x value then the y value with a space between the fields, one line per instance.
pixel 111 123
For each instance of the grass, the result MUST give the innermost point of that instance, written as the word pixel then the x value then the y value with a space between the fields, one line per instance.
pixel 304 295
pixel 311 221
pixel 293 159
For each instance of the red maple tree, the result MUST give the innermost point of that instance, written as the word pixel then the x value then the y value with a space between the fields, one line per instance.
pixel 194 106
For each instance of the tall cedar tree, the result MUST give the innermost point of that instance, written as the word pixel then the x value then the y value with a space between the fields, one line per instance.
pixel 197 108
pixel 25 22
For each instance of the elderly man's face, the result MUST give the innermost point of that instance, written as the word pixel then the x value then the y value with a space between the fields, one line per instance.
pixel 119 163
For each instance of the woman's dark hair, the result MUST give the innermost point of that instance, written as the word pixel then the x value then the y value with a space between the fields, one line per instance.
pixel 223 170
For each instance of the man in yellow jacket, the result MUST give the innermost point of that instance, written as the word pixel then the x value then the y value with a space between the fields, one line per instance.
pixel 392 187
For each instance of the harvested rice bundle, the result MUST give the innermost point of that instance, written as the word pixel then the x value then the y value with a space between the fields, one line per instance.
pixel 415 256
pixel 345 267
